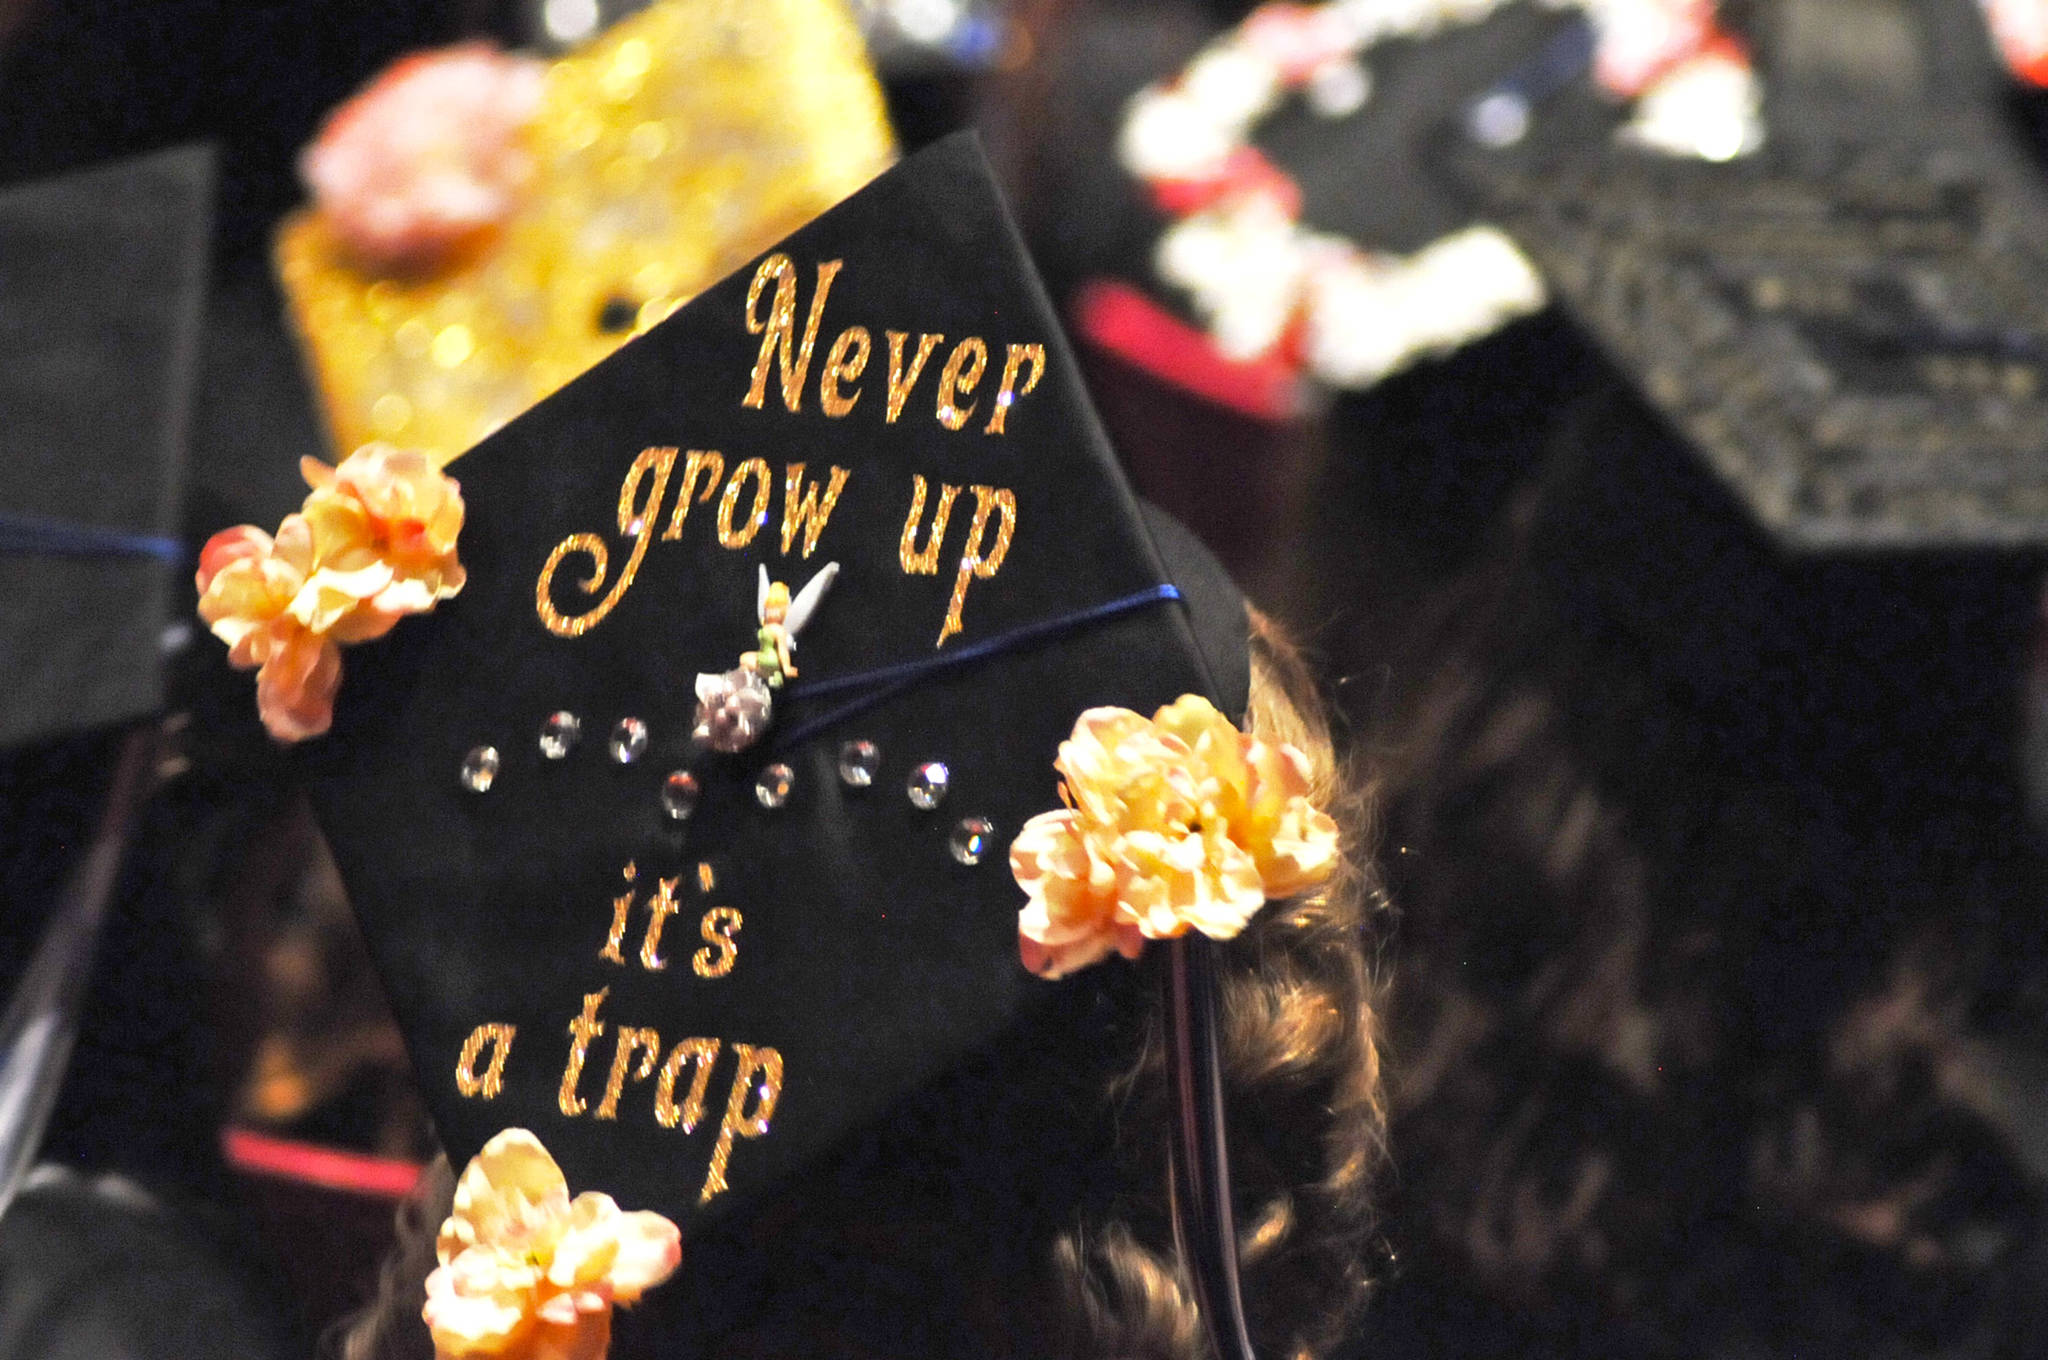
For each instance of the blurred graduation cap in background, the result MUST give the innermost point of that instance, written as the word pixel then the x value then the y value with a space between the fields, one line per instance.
pixel 1847 326
pixel 103 277
pixel 597 191
pixel 102 288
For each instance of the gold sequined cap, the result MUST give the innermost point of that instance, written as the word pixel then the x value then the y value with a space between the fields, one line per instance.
pixel 667 153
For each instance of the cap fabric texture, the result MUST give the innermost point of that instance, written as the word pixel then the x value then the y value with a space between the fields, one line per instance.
pixel 102 285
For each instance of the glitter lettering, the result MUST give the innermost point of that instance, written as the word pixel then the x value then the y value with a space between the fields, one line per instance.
pixel 629 1041
pixel 740 535
pixel 499 1037
pixel 925 561
pixel 703 1053
pixel 1008 393
pixel 662 906
pixel 900 382
pixel 963 370
pixel 975 562
pixel 802 509
pixel 844 362
pixel 777 329
pixel 695 463
pixel 582 1030
pixel 759 1077
pixel 720 928
pixel 635 519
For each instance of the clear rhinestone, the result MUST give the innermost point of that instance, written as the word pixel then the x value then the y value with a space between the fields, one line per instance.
pixel 972 839
pixel 679 795
pixel 629 740
pixel 771 790
pixel 558 734
pixel 858 762
pixel 480 769
pixel 927 787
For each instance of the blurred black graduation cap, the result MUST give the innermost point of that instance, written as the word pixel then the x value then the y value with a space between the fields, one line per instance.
pixel 694 974
pixel 1846 327
pixel 1365 173
pixel 102 286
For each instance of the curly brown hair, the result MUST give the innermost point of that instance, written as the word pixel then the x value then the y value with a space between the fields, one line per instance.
pixel 1307 1122
pixel 1307 1128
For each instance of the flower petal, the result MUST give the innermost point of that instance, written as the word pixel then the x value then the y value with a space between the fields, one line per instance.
pixel 650 1249
pixel 589 1242
pixel 510 1175
pixel 296 685
pixel 468 1316
pixel 243 542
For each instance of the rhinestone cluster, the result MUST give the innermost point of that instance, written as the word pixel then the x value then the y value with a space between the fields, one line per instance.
pixel 859 767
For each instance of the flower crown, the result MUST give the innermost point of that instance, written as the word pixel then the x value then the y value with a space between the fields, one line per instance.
pixel 1172 823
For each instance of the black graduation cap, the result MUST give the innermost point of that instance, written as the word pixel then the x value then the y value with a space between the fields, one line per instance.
pixel 102 285
pixel 695 973
pixel 1846 327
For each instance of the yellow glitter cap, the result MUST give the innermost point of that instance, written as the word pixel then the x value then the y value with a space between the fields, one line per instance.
pixel 667 152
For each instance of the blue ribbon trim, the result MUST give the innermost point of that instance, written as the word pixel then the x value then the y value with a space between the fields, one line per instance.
pixel 885 682
pixel 56 538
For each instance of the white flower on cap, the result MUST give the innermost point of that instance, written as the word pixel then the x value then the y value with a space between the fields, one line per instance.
pixel 1709 107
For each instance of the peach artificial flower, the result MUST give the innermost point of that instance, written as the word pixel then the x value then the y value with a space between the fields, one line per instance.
pixel 384 527
pixel 374 542
pixel 526 1273
pixel 248 582
pixel 1174 823
pixel 429 156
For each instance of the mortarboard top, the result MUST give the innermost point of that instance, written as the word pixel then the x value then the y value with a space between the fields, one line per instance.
pixel 1848 326
pixel 102 283
pixel 614 539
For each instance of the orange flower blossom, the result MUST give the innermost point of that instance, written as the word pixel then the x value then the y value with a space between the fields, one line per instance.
pixel 374 542
pixel 1174 822
pixel 526 1273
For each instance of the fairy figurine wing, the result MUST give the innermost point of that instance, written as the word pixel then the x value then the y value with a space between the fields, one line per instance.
pixel 807 600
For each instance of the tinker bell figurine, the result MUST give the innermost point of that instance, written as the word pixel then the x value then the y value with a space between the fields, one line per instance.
pixel 734 707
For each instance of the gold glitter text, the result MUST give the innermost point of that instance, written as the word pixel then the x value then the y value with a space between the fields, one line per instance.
pixel 499 1037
